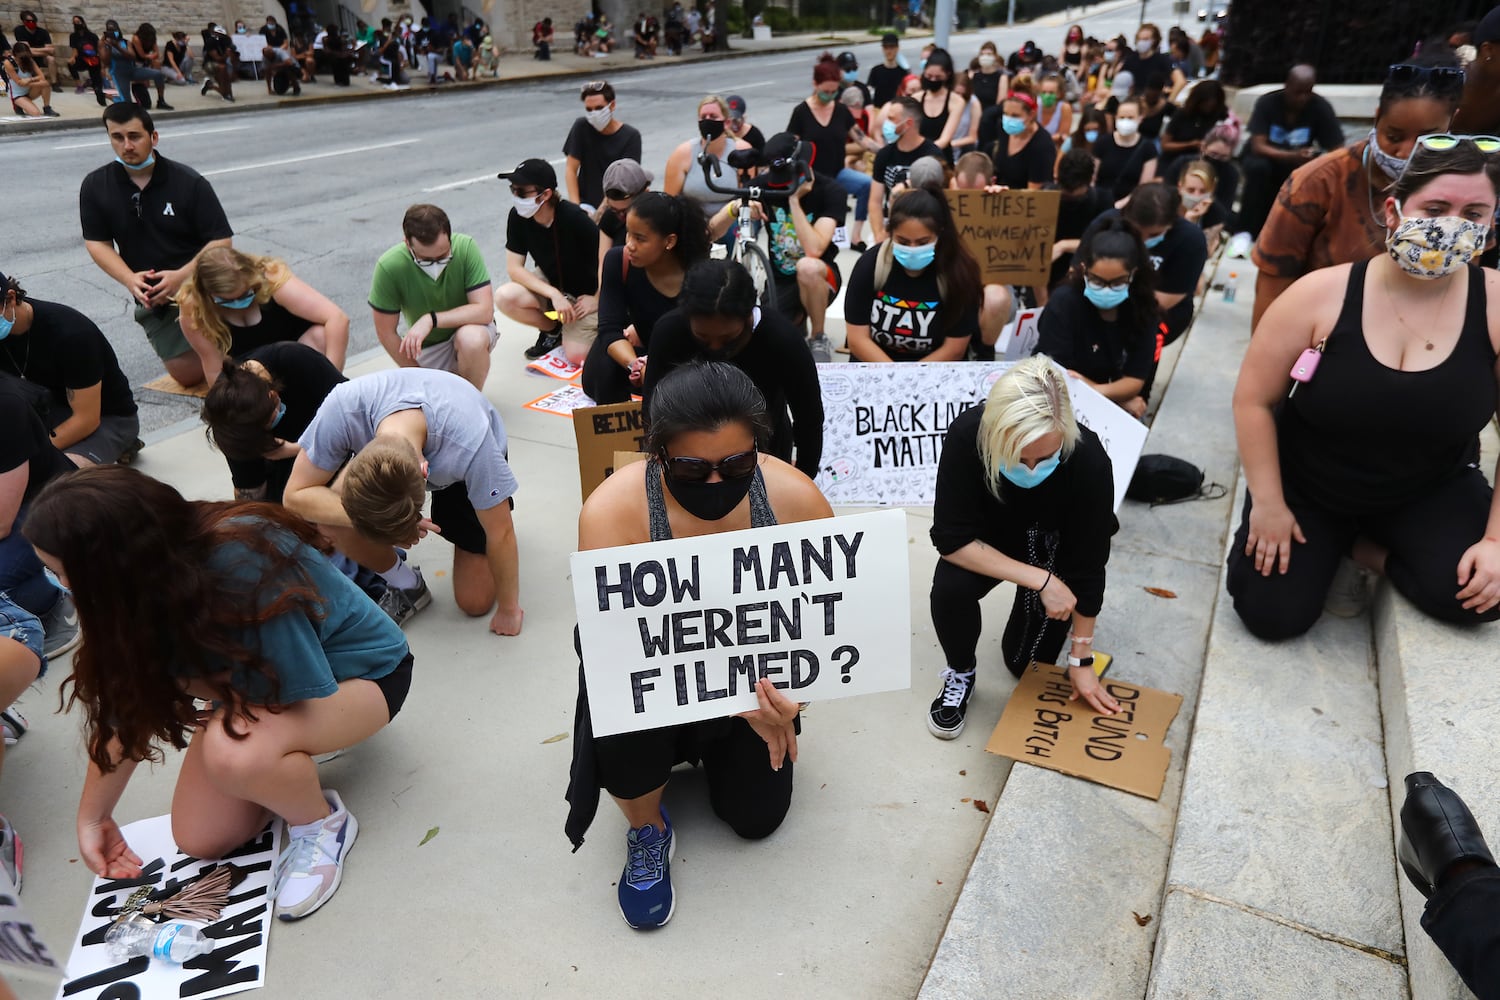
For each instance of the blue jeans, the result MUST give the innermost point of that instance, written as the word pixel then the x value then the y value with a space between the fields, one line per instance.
pixel 21 625
pixel 857 184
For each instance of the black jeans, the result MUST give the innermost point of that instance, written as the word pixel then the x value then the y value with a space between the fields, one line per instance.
pixel 1029 633
pixel 1426 539
pixel 1263 178
pixel 1463 920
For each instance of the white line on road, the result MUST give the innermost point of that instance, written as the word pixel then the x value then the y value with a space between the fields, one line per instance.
pixel 457 184
pixel 309 156
pixel 761 83
pixel 165 135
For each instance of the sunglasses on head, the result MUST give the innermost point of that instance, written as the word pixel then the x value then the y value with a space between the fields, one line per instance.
pixel 1442 142
pixel 1446 77
pixel 697 470
pixel 594 87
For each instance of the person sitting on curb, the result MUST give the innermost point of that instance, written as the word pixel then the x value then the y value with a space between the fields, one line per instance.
pixel 439 283
pixel 1025 495
pixel 236 302
pixel 289 657
pixel 368 457
pixel 27 84
pixel 708 473
pixel 220 63
pixel 561 302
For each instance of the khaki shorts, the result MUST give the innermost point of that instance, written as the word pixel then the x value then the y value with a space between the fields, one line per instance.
pixel 163 330
pixel 578 337
pixel 444 356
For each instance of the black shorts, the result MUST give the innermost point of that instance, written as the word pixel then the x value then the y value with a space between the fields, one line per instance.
pixel 789 297
pixel 454 515
pixel 396 684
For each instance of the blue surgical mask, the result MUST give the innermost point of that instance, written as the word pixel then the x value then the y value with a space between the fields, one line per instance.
pixel 914 258
pixel 240 303
pixel 888 132
pixel 1013 124
pixel 1106 298
pixel 137 166
pixel 1091 136
pixel 6 325
pixel 52 579
pixel 280 412
pixel 851 75
pixel 1155 241
pixel 1026 478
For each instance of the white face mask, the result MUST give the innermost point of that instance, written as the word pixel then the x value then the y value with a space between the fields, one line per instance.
pixel 1144 46
pixel 986 61
pixel 432 268
pixel 600 117
pixel 527 207
pixel 1191 200
pixel 1127 126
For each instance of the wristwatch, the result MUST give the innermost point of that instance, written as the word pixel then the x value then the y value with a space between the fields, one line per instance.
pixel 1081 661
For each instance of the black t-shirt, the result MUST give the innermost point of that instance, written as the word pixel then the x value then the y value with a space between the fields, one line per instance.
pixel 1073 218
pixel 826 200
pixel 885 83
pixel 1178 261
pixel 1316 123
pixel 176 52
pixel 986 87
pixel 906 316
pixel 1152 120
pixel 1072 332
pixel 178 214
pixel 1144 69
pixel 628 298
pixel 755 137
pixel 776 359
pixel 26 441
pixel 1032 165
pixel 34 37
pixel 892 163
pixel 595 151
pixel 275 36
pixel 217 48
pixel 306 378
pixel 828 141
pixel 1185 127
pixel 4 44
pixel 64 350
pixel 80 42
pixel 1113 159
pixel 612 224
pixel 572 239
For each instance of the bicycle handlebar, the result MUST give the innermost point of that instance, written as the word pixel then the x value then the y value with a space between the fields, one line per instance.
pixel 711 169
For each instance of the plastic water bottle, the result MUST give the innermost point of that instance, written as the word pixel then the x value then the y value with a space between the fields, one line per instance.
pixel 1230 286
pixel 174 943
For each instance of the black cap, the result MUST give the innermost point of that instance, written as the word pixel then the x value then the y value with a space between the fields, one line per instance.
pixel 1488 29
pixel 890 40
pixel 533 173
pixel 847 61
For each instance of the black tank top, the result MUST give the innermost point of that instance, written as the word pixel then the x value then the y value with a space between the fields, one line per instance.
pixel 1361 438
pixel 931 126
pixel 277 326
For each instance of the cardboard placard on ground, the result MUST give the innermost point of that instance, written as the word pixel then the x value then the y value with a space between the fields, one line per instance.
pixel 884 426
pixel 601 431
pixel 1126 750
pixel 561 401
pixel 21 947
pixel 679 631
pixel 238 961
pixel 1010 233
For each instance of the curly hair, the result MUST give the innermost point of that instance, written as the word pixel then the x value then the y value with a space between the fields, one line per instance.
pixel 160 605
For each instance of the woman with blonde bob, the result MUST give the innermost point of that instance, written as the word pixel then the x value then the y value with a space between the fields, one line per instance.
pixel 236 302
pixel 1025 495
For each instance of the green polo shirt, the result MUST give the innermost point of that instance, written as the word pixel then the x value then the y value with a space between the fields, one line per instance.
pixel 400 286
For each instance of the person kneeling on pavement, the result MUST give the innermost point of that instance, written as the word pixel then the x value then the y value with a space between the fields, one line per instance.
pixel 1025 495
pixel 376 446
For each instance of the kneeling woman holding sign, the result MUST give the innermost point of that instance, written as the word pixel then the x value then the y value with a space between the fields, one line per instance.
pixel 1024 496
pixel 706 474
pixel 243 612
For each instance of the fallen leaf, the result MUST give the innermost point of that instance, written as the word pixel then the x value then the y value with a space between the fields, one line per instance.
pixel 822 786
pixel 1317 711
pixel 430 834
pixel 72 861
pixel 962 773
pixel 981 805
pixel 965 800
pixel 1140 920
pixel 555 739
pixel 1159 592
pixel 939 881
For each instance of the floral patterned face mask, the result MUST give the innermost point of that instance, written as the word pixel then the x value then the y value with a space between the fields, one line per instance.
pixel 1433 248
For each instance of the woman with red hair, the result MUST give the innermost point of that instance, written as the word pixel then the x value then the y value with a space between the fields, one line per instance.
pixel 828 124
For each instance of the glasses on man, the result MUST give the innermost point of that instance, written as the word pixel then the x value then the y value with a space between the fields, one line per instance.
pixel 420 260
pixel 1440 77
pixel 526 194
pixel 1100 285
pixel 697 470
pixel 1442 142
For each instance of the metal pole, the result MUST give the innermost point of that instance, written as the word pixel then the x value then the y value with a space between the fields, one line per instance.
pixel 943 22
pixel 1143 13
pixel 1010 14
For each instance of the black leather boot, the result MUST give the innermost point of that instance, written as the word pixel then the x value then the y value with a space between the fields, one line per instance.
pixel 1437 831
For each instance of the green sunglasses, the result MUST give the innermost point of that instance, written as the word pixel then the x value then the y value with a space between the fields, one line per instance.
pixel 1443 142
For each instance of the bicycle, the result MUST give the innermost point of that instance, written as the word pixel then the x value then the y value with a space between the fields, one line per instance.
pixel 747 251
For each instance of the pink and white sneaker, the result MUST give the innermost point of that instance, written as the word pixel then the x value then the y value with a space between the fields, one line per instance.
pixel 312 865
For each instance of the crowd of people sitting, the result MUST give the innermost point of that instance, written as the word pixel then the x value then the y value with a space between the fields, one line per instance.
pixel 332 474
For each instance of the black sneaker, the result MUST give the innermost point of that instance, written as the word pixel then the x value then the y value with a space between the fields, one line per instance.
pixel 401 604
pixel 546 342
pixel 207 83
pixel 164 106
pixel 47 110
pixel 129 454
pixel 945 719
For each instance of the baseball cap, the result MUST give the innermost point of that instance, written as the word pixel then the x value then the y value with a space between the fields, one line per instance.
pixel 627 175
pixel 736 105
pixel 890 40
pixel 1488 29
pixel 780 155
pixel 532 173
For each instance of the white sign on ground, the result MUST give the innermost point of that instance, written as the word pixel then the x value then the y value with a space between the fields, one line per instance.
pixel 884 425
pixel 680 631
pixel 21 947
pixel 238 961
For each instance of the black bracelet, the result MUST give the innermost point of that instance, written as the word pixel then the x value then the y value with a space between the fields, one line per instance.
pixel 434 319
pixel 1045 582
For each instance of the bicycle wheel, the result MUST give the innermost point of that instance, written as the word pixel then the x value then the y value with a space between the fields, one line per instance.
pixel 754 260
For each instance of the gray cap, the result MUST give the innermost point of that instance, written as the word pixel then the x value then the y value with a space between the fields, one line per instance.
pixel 627 175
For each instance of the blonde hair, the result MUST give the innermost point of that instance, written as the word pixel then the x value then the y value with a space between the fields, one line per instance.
pixel 383 490
pixel 716 99
pixel 1028 402
pixel 223 271
pixel 1203 170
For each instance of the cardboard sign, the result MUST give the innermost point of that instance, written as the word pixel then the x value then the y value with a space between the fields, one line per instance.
pixel 1126 750
pixel 21 947
pixel 561 402
pixel 238 961
pixel 624 458
pixel 680 631
pixel 884 425
pixel 1010 233
pixel 601 431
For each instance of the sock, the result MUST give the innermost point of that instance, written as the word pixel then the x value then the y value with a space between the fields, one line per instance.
pixel 401 576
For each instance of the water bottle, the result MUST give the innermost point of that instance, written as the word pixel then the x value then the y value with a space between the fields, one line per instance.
pixel 1229 286
pixel 174 943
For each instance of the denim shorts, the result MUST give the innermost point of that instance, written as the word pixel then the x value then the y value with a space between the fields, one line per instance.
pixel 21 625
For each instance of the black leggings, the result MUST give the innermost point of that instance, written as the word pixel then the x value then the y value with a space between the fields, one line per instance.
pixel 1461 919
pixel 742 789
pixel 1029 633
pixel 1426 539
pixel 603 379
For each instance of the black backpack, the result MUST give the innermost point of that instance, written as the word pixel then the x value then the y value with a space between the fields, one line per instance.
pixel 1163 479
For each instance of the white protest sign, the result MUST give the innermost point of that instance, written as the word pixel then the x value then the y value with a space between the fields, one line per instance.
pixel 21 948
pixel 679 631
pixel 238 961
pixel 884 425
pixel 1018 339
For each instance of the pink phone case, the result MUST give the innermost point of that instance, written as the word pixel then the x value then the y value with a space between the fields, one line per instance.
pixel 1307 365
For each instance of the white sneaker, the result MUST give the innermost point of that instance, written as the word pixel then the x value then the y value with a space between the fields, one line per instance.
pixel 311 867
pixel 821 348
pixel 1240 244
pixel 1349 594
pixel 13 725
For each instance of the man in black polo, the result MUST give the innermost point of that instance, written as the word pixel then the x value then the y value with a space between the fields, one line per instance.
pixel 145 221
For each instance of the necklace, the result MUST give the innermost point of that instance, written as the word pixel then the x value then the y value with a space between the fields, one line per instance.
pixel 1402 320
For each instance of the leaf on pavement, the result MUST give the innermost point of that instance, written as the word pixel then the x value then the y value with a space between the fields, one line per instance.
pixel 430 834
pixel 554 739
pixel 1140 920
pixel 1159 592
pixel 981 805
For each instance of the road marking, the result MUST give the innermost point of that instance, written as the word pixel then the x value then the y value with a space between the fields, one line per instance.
pixel 763 83
pixel 309 156
pixel 165 135
pixel 456 184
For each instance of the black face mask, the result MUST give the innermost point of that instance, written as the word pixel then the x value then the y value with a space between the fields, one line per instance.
pixel 929 84
pixel 709 501
pixel 710 128
pixel 730 349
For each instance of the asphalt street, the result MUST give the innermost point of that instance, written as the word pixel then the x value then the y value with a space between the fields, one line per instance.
pixel 325 187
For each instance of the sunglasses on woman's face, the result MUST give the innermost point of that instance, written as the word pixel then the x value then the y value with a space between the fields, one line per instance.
pixel 1441 77
pixel 1442 142
pixel 697 470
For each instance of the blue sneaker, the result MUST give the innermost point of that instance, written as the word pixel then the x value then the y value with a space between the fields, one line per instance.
pixel 646 899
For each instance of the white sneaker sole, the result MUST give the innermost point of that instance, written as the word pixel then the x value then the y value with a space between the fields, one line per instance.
pixel 944 734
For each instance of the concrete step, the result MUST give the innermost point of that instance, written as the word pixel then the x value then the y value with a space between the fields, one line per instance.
pixel 1047 907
